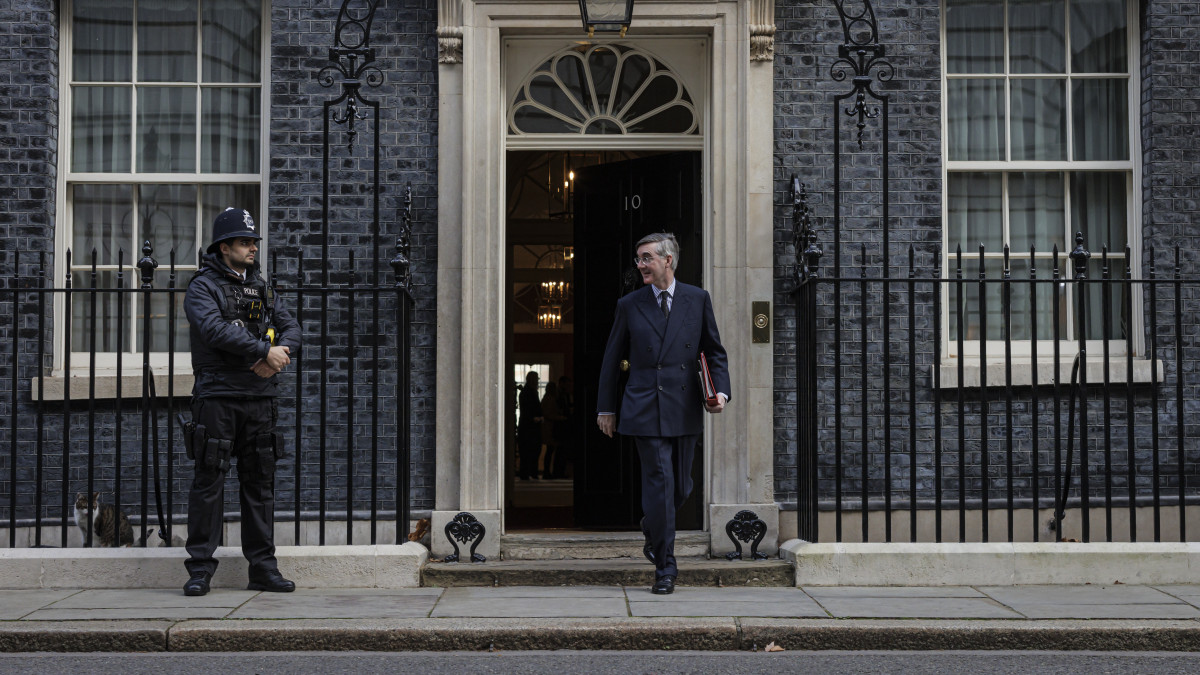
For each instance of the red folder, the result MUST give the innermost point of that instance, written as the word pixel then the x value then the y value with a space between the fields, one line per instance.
pixel 706 383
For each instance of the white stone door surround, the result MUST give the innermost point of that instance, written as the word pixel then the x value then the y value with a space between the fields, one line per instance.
pixel 737 260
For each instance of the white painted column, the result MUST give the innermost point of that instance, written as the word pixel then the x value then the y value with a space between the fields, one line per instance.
pixel 742 461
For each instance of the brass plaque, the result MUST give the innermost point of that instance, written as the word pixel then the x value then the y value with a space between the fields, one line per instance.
pixel 760 330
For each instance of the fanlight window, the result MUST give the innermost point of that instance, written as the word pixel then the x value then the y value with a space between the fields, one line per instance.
pixel 603 89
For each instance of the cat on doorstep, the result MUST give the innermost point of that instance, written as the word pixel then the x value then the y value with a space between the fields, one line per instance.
pixel 102 517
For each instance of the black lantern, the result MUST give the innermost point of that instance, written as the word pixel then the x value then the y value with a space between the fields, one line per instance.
pixel 606 16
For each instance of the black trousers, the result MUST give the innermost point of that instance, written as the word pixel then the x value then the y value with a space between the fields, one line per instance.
pixel 666 484
pixel 529 448
pixel 244 422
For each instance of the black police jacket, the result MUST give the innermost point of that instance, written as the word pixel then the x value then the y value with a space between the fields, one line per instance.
pixel 226 342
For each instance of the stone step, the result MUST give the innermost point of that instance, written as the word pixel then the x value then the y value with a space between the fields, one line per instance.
pixel 693 571
pixel 561 545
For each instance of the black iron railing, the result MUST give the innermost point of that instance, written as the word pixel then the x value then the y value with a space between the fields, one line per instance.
pixel 343 409
pixel 982 398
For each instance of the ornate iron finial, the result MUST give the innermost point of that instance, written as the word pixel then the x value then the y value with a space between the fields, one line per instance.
pixel 147 264
pixel 352 59
pixel 401 263
pixel 861 52
pixel 804 238
pixel 462 528
pixel 1080 256
pixel 747 527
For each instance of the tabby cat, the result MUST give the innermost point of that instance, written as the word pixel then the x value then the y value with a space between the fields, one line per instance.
pixel 103 516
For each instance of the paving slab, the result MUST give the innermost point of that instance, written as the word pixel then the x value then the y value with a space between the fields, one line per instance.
pixel 917 608
pixel 16 604
pixel 1189 594
pixel 340 604
pixel 464 592
pixel 1078 595
pixel 114 614
pixel 151 597
pixel 705 593
pixel 718 608
pixel 531 607
pixel 1146 611
pixel 892 592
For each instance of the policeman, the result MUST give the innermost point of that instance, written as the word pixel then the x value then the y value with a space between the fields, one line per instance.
pixel 242 337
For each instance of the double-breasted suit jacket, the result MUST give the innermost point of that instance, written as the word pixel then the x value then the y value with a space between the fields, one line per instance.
pixel 663 395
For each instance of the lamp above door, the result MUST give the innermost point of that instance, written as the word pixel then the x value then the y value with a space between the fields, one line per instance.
pixel 606 16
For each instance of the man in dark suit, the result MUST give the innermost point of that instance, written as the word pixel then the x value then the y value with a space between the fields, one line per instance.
pixel 662 329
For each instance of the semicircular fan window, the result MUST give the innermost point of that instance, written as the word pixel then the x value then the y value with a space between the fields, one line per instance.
pixel 602 89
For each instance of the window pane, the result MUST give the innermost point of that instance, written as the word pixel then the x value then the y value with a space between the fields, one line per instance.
pixel 232 41
pixel 975 123
pixel 1036 29
pixel 1099 40
pixel 603 64
pixel 1118 319
pixel 166 42
pixel 167 217
pixel 162 319
pixel 974 36
pixel 166 129
pixel 1039 117
pixel 974 212
pixel 102 220
pixel 533 120
pixel 1036 214
pixel 1021 297
pixel 1098 210
pixel 634 71
pixel 674 120
pixel 102 41
pixel 99 326
pixel 217 198
pixel 571 70
pixel 1101 111
pixel 229 135
pixel 100 129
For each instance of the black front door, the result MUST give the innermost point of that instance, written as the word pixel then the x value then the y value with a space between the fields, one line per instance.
pixel 616 205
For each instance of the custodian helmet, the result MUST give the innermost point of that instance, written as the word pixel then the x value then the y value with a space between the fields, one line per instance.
pixel 231 224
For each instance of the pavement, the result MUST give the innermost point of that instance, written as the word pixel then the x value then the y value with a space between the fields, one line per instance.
pixel 1082 617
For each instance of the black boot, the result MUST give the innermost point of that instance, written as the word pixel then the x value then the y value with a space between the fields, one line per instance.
pixel 198 584
pixel 271 581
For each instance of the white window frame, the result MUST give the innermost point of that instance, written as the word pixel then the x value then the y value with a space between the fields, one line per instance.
pixel 1022 349
pixel 132 361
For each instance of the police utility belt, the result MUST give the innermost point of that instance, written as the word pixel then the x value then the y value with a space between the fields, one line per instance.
pixel 214 453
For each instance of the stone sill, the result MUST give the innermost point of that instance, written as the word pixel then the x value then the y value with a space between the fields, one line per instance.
pixel 106 386
pixel 1022 372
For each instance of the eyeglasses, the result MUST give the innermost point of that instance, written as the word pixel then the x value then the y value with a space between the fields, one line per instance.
pixel 643 260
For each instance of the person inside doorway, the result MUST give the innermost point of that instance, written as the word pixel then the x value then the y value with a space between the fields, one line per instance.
pixel 529 428
pixel 551 417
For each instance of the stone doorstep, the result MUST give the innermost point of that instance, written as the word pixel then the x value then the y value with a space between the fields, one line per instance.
pixel 992 564
pixel 592 545
pixel 382 566
pixel 693 571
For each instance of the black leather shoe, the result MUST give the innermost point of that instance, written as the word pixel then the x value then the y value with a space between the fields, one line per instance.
pixel 271 581
pixel 665 585
pixel 198 584
pixel 647 550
